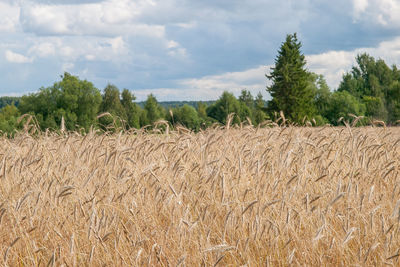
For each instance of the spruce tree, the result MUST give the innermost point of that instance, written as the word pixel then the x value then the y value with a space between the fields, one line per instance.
pixel 289 90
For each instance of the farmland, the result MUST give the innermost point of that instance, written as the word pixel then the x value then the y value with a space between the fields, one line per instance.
pixel 224 196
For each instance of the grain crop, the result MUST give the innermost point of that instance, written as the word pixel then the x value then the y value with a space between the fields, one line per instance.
pixel 245 196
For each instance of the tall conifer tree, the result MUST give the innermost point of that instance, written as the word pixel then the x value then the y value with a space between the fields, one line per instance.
pixel 289 90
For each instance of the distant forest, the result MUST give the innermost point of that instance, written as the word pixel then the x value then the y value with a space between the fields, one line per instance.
pixel 9 100
pixel 368 93
pixel 177 104
pixel 14 100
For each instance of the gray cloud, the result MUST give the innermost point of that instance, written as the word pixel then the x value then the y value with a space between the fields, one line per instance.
pixel 64 2
pixel 183 48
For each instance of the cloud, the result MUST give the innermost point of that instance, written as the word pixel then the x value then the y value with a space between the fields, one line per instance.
pixel 68 66
pixel 186 49
pixel 252 79
pixel 108 18
pixel 384 13
pixel 76 49
pixel 212 86
pixel 16 58
pixel 333 64
pixel 44 49
pixel 359 7
pixel 64 2
pixel 9 16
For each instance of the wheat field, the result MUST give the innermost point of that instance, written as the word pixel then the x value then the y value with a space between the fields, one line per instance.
pixel 221 197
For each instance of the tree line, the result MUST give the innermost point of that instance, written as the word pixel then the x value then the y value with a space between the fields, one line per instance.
pixel 369 91
pixel 81 106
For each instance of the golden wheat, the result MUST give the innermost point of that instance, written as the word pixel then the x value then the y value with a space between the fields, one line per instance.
pixel 229 197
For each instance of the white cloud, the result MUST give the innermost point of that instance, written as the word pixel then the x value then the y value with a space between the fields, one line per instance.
pixel 9 16
pixel 44 49
pixel 381 12
pixel 107 18
pixel 90 57
pixel 211 87
pixel 157 31
pixel 117 44
pixel 172 44
pixel 44 19
pixel 16 58
pixel 68 66
pixel 78 48
pixel 188 25
pixel 359 7
pixel 175 49
pixel 119 12
pixel 66 51
pixel 387 50
pixel 180 52
pixel 334 64
pixel 155 43
pixel 331 64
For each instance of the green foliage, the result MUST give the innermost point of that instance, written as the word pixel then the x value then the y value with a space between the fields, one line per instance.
pixel 393 101
pixel 246 98
pixel 375 108
pixel 186 116
pixel 124 112
pixel 8 119
pixel 76 100
pixel 252 108
pixel 81 100
pixel 320 120
pixel 341 105
pixel 258 114
pixel 112 104
pixel 9 100
pixel 202 110
pixel 245 112
pixel 224 106
pixel 152 111
pixel 42 104
pixel 290 88
pixel 322 97
pixel 132 110
pixel 111 101
pixel 205 120
pixel 376 85
pixel 167 105
pixel 370 89
pixel 246 101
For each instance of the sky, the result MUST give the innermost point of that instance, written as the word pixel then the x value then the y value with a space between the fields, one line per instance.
pixel 186 49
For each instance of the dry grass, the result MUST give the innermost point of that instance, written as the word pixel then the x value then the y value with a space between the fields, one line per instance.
pixel 228 197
